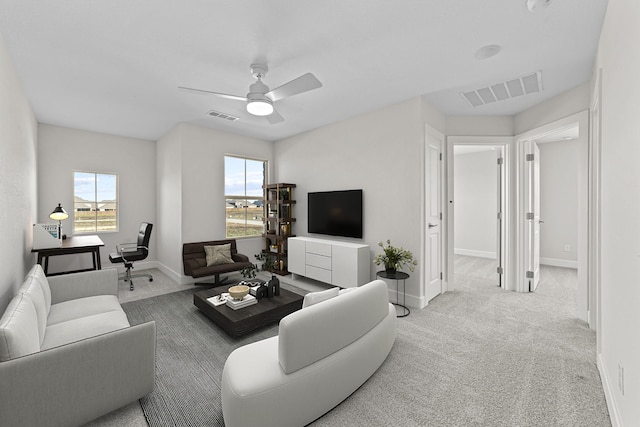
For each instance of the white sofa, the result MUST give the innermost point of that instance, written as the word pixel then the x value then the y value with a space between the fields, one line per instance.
pixel 67 352
pixel 322 354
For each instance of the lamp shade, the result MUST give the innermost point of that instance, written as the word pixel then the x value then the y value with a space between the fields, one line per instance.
pixel 59 213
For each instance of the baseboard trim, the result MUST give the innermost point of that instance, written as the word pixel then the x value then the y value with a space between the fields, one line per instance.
pixel 609 396
pixel 138 265
pixel 554 262
pixel 145 265
pixel 471 252
pixel 173 274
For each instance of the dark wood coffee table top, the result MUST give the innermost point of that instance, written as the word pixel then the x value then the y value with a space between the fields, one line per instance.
pixel 247 319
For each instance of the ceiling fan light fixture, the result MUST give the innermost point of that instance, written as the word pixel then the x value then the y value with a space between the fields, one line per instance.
pixel 260 106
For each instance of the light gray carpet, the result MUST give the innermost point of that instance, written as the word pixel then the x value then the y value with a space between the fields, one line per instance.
pixel 476 356
pixel 190 355
pixel 481 356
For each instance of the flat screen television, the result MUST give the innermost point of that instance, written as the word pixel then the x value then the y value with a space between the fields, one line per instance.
pixel 335 213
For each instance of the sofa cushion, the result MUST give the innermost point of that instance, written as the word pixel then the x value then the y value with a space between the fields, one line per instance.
pixel 37 274
pixel 84 327
pixel 82 307
pixel 19 334
pixel 33 290
pixel 218 254
pixel 315 297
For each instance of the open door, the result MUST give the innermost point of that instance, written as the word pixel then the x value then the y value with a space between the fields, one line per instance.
pixel 532 212
pixel 500 238
pixel 433 214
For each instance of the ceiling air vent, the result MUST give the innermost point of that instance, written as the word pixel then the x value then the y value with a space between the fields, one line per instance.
pixel 531 83
pixel 220 115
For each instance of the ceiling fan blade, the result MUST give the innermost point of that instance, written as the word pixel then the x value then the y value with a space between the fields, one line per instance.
pixel 304 83
pixel 275 118
pixel 207 92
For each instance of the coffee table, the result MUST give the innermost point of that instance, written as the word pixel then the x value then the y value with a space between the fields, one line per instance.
pixel 242 321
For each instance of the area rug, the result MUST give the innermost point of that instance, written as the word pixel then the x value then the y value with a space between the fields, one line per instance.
pixel 190 354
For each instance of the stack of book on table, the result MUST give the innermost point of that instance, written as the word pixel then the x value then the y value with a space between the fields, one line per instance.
pixel 253 285
pixel 244 302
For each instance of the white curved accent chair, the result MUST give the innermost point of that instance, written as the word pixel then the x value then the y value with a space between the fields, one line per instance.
pixel 322 354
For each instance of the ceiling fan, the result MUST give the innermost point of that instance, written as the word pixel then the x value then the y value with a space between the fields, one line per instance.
pixel 260 99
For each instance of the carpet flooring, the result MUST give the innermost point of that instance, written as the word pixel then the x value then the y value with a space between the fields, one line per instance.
pixel 476 356
pixel 190 355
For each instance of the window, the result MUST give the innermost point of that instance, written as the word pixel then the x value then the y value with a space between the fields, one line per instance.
pixel 244 196
pixel 95 202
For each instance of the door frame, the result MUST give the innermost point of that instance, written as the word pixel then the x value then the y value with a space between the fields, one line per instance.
pixel 423 216
pixel 506 144
pixel 530 203
pixel 595 144
pixel 582 120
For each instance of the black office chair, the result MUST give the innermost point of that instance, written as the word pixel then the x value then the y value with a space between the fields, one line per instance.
pixel 130 252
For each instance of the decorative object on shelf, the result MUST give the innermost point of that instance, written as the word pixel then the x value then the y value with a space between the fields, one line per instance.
pixel 278 220
pixel 249 272
pixel 285 229
pixel 394 258
pixel 59 214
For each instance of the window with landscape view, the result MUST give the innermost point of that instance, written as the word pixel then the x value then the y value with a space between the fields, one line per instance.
pixel 95 202
pixel 244 196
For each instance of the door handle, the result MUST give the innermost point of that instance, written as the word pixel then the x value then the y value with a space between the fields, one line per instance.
pixel 432 225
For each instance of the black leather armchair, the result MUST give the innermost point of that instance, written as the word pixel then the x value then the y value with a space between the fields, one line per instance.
pixel 127 253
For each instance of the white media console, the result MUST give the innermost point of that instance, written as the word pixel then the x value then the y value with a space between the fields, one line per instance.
pixel 342 264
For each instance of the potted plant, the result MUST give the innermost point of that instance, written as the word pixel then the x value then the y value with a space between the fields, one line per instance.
pixel 267 261
pixel 249 272
pixel 394 258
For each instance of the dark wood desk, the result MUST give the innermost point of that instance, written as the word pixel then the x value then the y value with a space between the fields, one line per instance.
pixel 73 245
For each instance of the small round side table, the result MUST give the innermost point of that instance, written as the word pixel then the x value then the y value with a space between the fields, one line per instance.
pixel 397 276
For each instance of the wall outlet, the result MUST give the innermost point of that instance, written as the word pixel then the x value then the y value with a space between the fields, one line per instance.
pixel 621 378
pixel 567 248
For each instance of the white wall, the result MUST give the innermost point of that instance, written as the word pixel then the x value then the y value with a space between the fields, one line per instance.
pixel 433 117
pixel 169 202
pixel 560 106
pixel 620 206
pixel 18 179
pixel 191 163
pixel 480 125
pixel 379 152
pixel 476 202
pixel 61 151
pixel 559 202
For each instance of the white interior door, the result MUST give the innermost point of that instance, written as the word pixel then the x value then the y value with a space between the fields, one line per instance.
pixel 500 226
pixel 433 214
pixel 532 212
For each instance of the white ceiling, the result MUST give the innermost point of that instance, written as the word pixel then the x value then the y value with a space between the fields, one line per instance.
pixel 113 66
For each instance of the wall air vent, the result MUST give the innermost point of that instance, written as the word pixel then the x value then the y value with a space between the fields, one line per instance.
pixel 530 83
pixel 220 115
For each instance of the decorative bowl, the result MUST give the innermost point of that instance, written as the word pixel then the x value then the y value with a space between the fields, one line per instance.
pixel 238 291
